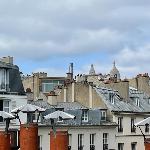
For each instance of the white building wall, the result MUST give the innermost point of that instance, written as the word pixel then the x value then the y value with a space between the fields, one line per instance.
pixel 98 137
pixel 98 131
pixel 127 137
pixel 16 101
pixel 45 141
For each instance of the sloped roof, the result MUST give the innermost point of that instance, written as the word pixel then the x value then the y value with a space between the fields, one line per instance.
pixel 120 105
pixel 41 103
pixel 73 108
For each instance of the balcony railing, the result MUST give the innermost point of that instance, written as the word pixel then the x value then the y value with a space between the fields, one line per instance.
pixel 80 147
pixel 133 129
pixel 92 147
pixel 105 146
pixel 69 147
pixel 120 129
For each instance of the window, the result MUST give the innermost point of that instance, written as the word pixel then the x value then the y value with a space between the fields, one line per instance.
pixel 13 106
pixel 49 85
pixel 92 141
pixel 80 141
pixel 137 101
pixel 36 117
pixel 6 106
pixel 105 141
pixel 40 142
pixel 133 146
pixel 3 78
pixel 103 115
pixel 111 98
pixel 120 146
pixel 133 128
pixel 147 127
pixel 70 141
pixel 120 126
pixel 85 115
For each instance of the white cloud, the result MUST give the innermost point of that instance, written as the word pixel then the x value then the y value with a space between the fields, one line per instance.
pixel 37 30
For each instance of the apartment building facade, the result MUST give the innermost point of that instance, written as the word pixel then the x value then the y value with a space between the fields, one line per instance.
pixel 125 105
pixel 12 95
pixel 89 130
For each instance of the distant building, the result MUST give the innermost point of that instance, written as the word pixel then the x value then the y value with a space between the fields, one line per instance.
pixel 92 70
pixel 125 105
pixel 98 78
pixel 114 73
pixel 41 83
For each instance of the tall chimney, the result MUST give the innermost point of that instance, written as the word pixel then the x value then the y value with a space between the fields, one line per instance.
pixel 70 73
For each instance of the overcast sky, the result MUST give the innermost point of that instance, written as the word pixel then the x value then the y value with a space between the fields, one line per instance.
pixel 46 35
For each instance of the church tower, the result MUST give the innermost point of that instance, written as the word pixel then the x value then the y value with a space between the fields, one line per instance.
pixel 114 73
pixel 92 70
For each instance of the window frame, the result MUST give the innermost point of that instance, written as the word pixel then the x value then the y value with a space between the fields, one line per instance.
pixel 105 141
pixel 135 144
pixel 137 101
pixel 85 115
pixel 133 128
pixel 80 141
pixel 120 124
pixel 40 142
pixel 120 146
pixel 111 98
pixel 146 128
pixel 103 115
pixel 92 139
pixel 6 108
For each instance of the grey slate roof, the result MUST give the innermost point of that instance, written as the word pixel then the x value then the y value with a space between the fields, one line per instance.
pixel 122 106
pixel 15 83
pixel 41 103
pixel 76 109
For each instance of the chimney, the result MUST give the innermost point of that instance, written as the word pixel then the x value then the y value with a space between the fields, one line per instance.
pixel 122 87
pixel 141 82
pixel 70 73
pixel 7 60
pixel 52 98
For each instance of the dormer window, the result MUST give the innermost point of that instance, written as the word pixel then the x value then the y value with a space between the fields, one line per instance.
pixel 137 101
pixel 103 115
pixel 111 98
pixel 85 115
pixel 4 79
